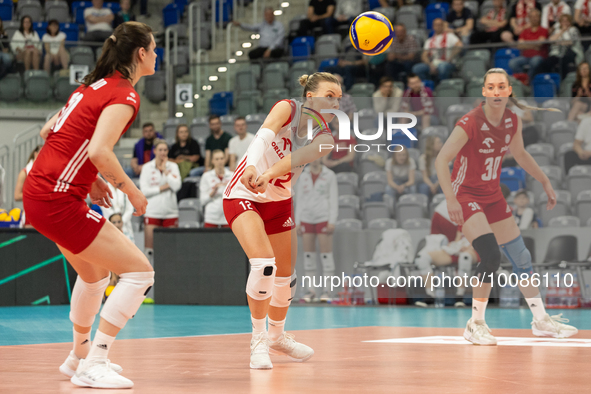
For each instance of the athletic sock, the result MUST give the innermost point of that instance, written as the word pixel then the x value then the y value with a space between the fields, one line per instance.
pixel 100 346
pixel 478 309
pixel 81 344
pixel 276 329
pixel 536 305
pixel 258 325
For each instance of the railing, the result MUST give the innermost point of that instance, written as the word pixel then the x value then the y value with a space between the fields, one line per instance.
pixel 4 174
pixel 22 146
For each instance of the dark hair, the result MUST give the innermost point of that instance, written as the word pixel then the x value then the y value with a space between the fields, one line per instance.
pixel 116 214
pixel 385 79
pixel 579 81
pixel 148 124
pixel 22 28
pixel 239 118
pixel 36 150
pixel 51 22
pixel 2 28
pixel 520 193
pixel 212 117
pixel 176 135
pixel 120 51
pixel 411 75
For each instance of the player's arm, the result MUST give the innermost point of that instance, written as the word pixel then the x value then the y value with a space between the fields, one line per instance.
pixel 47 127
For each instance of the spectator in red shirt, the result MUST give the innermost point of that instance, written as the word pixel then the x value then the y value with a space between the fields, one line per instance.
pixel 532 54
pixel 519 19
pixel 418 100
pixel 342 157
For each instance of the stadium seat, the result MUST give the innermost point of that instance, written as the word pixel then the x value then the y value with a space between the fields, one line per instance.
pixel 221 103
pixel 388 12
pixel 513 177
pixel 434 11
pixel 6 10
pixel 373 4
pixel 503 56
pixel 294 25
pixel 254 122
pixel 169 127
pixel 435 201
pixel 472 5
pixel 328 45
pixel 10 27
pixel 554 173
pixel 375 210
pixel 382 224
pixel 245 80
pixel 155 87
pixel 583 206
pixel 349 224
pixel 200 127
pixel 182 68
pixel 228 121
pixel 419 34
pixel 362 95
pixel 400 138
pixel 189 210
pixel 347 183
pixel 414 154
pixel 78 8
pixel 40 28
pixel 408 18
pixel 302 47
pixel 189 225
pixel 326 63
pixel 411 206
pixel 171 14
pixel 31 8
pixel 37 85
pixel 474 87
pixel 348 207
pixel 226 11
pixel 562 208
pixel 560 155
pixel 275 74
pixel 10 87
pixel 542 153
pixel 473 68
pixel 446 97
pixel 578 180
pixel 546 86
pixel 272 96
pixel 417 224
pixel 454 112
pixel 58 10
pixel 248 102
pixel 564 221
pixel 389 201
pixel 562 248
pixel 113 6
pixel 560 136
pixel 373 185
pixel 72 32
pixel 553 117
pixel 367 120
pixel 82 55
pixel 62 88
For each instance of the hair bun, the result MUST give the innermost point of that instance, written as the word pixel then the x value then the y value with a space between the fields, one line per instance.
pixel 304 79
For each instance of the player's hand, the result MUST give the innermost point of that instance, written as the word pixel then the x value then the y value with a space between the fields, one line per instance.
pixel 455 212
pixel 139 202
pixel 551 196
pixel 249 178
pixel 100 194
pixel 329 229
pixel 261 183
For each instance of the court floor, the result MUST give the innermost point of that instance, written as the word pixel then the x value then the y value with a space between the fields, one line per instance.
pixel 205 349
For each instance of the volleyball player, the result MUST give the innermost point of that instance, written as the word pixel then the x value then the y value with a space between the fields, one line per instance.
pixel 475 201
pixel 258 207
pixel 79 144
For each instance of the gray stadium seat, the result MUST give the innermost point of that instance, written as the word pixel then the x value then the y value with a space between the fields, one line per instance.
pixel 554 173
pixel 411 206
pixel 387 12
pixel 416 9
pixel 254 122
pixel 328 45
pixel 200 127
pixel 245 80
pixel 348 207
pixel 439 131
pixel 578 179
pixel 382 224
pixel 408 18
pixel 10 87
pixel 82 55
pixel 155 87
pixel 564 221
pixel 349 224
pixel 37 85
pixel 560 154
pixel 57 9
pixel 472 5
pixel 228 122
pixel 275 74
pixel 435 202
pixel 454 112
pixel 347 183
pixel 63 89
pixel 248 102
pixel 414 154
pixel 362 95
pixel 169 127
pixel 553 117
pixel 189 210
pixel 420 35
pixel 558 137
pixel 417 224
pixel 10 27
pixel 367 119
pixel 375 210
pixel 583 206
pixel 474 88
pixel 205 36
pixel 31 8
pixel 182 68
pixel 473 68
pixel 562 208
pixel 543 154
pixel 372 183
pixel 366 166
pixel 272 96
pixel 303 67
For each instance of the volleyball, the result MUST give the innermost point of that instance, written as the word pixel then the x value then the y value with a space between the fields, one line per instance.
pixel 14 215
pixel 371 33
pixel 3 215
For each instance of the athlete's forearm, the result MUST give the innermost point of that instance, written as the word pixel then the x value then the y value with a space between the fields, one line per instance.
pixel 106 162
pixel 444 177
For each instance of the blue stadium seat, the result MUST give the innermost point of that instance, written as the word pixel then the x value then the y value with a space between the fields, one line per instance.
pixel 513 177
pixel 429 84
pixel 115 7
pixel 78 8
pixel 71 30
pixel 374 4
pixel 160 57
pixel 302 47
pixel 546 86
pixel 226 10
pixel 6 10
pixel 171 14
pixel 434 11
pixel 40 28
pixel 503 56
pixel 402 139
pixel 328 63
pixel 221 103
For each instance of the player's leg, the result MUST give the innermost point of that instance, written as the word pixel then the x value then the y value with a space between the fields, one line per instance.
pixel 149 236
pixel 327 261
pixel 310 267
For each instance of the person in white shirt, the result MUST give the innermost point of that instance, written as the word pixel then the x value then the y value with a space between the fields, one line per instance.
pixel 316 211
pixel 99 21
pixel 55 48
pixel 581 153
pixel 160 179
pixel 272 34
pixel 551 14
pixel 26 45
pixel 388 96
pixel 211 191
pixel 583 16
pixel 438 54
pixel 121 205
pixel 239 144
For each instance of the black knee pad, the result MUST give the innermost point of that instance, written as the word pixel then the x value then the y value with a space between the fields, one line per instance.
pixel 490 256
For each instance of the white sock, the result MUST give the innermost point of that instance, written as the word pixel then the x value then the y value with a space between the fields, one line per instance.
pixel 100 346
pixel 258 325
pixel 276 329
pixel 328 269
pixel 478 309
pixel 536 306
pixel 310 268
pixel 81 344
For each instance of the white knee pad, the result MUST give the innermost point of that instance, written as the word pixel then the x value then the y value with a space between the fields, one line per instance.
pixel 282 292
pixel 86 300
pixel 309 262
pixel 127 297
pixel 261 278
pixel 464 264
pixel 327 260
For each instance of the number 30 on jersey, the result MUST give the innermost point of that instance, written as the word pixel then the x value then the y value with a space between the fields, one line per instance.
pixel 492 167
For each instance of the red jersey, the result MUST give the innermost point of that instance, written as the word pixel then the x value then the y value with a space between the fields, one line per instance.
pixel 477 168
pixel 62 166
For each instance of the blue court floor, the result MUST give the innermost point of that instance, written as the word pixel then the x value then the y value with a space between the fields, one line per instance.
pixel 50 324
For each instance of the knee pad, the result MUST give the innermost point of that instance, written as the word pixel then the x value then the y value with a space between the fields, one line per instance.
pixel 464 264
pixel 423 262
pixel 282 293
pixel 519 256
pixel 127 297
pixel 327 260
pixel 310 262
pixel 490 256
pixel 86 301
pixel 261 278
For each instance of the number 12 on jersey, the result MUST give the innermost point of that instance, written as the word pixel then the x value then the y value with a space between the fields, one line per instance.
pixel 492 167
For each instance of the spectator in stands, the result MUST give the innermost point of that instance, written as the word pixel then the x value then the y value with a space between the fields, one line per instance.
pixel 218 139
pixel 402 54
pixel 581 92
pixel 55 48
pixel 159 181
pixel 494 23
pixel 532 54
pixel 320 14
pixel 142 151
pixel 272 36
pixel 342 157
pixel 583 17
pixel 460 21
pixel 581 153
pixel 345 12
pixel 120 205
pixel 125 15
pixel 26 45
pixel 239 143
pixel 211 190
pixel 388 96
pixel 400 170
pixel 568 51
pixel 5 55
pixel 346 103
pixel 351 69
pixel 430 185
pixel 525 217
pixel 438 54
pixel 551 14
pixel 519 19
pixel 186 153
pixel 99 22
pixel 418 100
pixel 20 182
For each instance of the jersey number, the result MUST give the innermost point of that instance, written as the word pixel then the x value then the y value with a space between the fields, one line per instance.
pixel 67 110
pixel 278 182
pixel 474 206
pixel 246 206
pixel 492 167
pixel 94 216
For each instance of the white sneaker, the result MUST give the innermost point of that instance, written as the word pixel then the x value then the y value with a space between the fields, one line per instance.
pixel 460 304
pixel 309 296
pixel 287 346
pixel 100 375
pixel 259 352
pixel 325 297
pixel 553 326
pixel 478 333
pixel 69 366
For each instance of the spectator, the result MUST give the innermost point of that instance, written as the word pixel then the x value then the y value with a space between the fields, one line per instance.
pixel 320 14
pixel 402 54
pixel 519 19
pixel 551 14
pixel 159 181
pixel 346 12
pixel 568 51
pixel 26 45
pixel 438 53
pixel 525 217
pixel 581 153
pixel 581 92
pixel 430 185
pixel 125 15
pixel 20 182
pixel 239 143
pixel 532 54
pixel 388 96
pixel 583 16
pixel 211 190
pixel 186 153
pixel 460 21
pixel 351 69
pixel 272 36
pixel 55 48
pixel 418 100
pixel 99 22
pixel 218 139
pixel 5 55
pixel 342 157
pixel 346 103
pixel 120 205
pixel 142 151
pixel 493 25
pixel 400 170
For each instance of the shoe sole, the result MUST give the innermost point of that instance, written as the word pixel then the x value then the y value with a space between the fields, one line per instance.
pixel 78 382
pixel 550 334
pixel 67 371
pixel 468 337
pixel 297 360
pixel 261 366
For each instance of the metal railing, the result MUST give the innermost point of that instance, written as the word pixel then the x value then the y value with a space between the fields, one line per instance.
pixel 22 146
pixel 4 174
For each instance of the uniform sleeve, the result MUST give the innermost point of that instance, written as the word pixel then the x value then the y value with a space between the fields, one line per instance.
pixel 467 123
pixel 293 108
pixel 333 199
pixel 145 187
pixel 174 178
pixel 126 95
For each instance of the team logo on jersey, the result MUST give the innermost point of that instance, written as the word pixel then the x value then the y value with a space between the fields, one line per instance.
pixel 507 138
pixel 484 127
pixel 289 223
pixel 487 141
pixel 508 123
pixel 132 94
pixel 508 208
pixel 131 99
pixel 463 121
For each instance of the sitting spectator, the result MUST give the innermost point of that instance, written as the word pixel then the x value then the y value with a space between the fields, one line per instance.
pixel 551 14
pixel 55 48
pixel 272 36
pixel 238 145
pixel 418 100
pixel 388 96
pixel 346 12
pixel 493 25
pixel 26 45
pixel 532 54
pixel 5 55
pixel 211 191
pixel 218 139
pixel 320 14
pixel 125 15
pixel 430 185
pixel 142 151
pixel 519 19
pixel 439 53
pixel 400 170
pixel 346 103
pixel 159 181
pixel 568 51
pixel 402 54
pixel 460 21
pixel 186 153
pixel 525 217
pixel 583 16
pixel 120 205
pixel 20 182
pixel 99 22
pixel 342 157
pixel 581 93
pixel 581 153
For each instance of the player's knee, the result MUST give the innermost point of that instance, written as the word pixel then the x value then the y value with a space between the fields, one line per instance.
pixel 490 256
pixel 519 256
pixel 86 301
pixel 261 278
pixel 283 291
pixel 309 261
pixel 327 262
